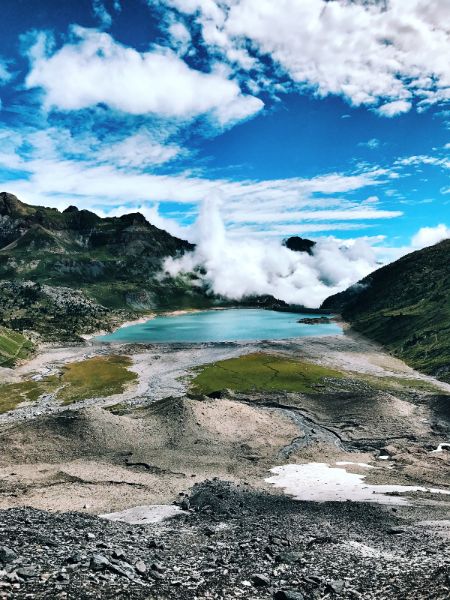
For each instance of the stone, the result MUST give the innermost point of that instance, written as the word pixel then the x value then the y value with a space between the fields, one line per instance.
pixel 395 530
pixel 289 557
pixel 99 562
pixel 260 580
pixel 288 595
pixel 27 572
pixel 118 554
pixel 337 586
pixel 140 567
pixel 7 555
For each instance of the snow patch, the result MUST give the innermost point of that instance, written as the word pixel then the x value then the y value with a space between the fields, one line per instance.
pixel 319 482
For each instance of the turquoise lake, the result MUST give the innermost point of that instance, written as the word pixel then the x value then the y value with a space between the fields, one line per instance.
pixel 221 326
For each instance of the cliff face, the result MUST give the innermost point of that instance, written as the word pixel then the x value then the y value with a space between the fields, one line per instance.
pixel 406 307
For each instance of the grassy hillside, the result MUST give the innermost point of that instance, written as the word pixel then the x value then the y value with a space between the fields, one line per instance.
pixel 406 307
pixel 13 347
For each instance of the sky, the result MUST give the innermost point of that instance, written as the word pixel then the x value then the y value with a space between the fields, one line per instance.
pixel 325 119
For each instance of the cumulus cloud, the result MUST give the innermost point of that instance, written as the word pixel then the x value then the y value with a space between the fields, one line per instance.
pixel 372 53
pixel 95 69
pixel 428 236
pixel 239 267
pixel 392 109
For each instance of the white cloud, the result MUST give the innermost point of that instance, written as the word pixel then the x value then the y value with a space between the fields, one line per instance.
pixel 180 36
pixel 428 236
pixel 95 69
pixel 392 109
pixel 372 144
pixel 99 10
pixel 371 53
pixel 238 267
pixel 138 150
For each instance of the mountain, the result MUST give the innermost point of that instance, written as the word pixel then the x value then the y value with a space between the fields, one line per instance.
pixel 406 307
pixel 299 244
pixel 71 272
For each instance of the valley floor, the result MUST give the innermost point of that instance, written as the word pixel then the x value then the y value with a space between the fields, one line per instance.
pixel 179 416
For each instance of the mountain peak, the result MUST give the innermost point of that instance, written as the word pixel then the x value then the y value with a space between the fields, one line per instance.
pixel 11 206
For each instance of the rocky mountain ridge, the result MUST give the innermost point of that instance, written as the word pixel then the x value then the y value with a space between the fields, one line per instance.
pixel 71 272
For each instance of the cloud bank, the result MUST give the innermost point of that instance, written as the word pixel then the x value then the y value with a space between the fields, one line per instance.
pixel 427 236
pixel 239 267
pixel 372 52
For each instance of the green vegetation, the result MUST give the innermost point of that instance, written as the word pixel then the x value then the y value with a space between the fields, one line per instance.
pixel 263 372
pixel 13 394
pixel 13 347
pixel 406 307
pixel 101 376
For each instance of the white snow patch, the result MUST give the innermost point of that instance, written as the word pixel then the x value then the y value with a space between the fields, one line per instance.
pixel 368 551
pixel 144 515
pixel 441 447
pixel 318 482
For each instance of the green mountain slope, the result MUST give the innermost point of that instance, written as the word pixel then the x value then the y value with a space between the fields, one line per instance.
pixel 13 347
pixel 406 307
pixel 66 273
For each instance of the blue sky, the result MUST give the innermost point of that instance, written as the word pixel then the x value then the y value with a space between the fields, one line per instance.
pixel 302 116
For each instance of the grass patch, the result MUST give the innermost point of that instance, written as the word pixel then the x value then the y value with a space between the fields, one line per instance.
pixel 13 347
pixel 263 372
pixel 13 394
pixel 97 377
pixel 100 376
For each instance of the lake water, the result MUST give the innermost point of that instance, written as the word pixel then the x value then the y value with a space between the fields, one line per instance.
pixel 221 326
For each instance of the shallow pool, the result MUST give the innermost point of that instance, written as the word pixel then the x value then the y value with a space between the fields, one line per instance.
pixel 221 326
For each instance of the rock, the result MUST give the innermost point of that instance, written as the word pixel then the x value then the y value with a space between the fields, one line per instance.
pixel 395 530
pixel 260 580
pixel 75 558
pixel 288 595
pixel 158 567
pixel 99 562
pixel 336 586
pixel 27 572
pixel 7 555
pixel 118 554
pixel 185 504
pixel 121 569
pixel 140 567
pixel 289 557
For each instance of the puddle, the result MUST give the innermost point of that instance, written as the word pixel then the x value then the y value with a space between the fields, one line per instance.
pixel 145 515
pixel 319 482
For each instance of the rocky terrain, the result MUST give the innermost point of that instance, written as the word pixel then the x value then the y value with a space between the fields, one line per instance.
pixel 231 542
pixel 357 410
